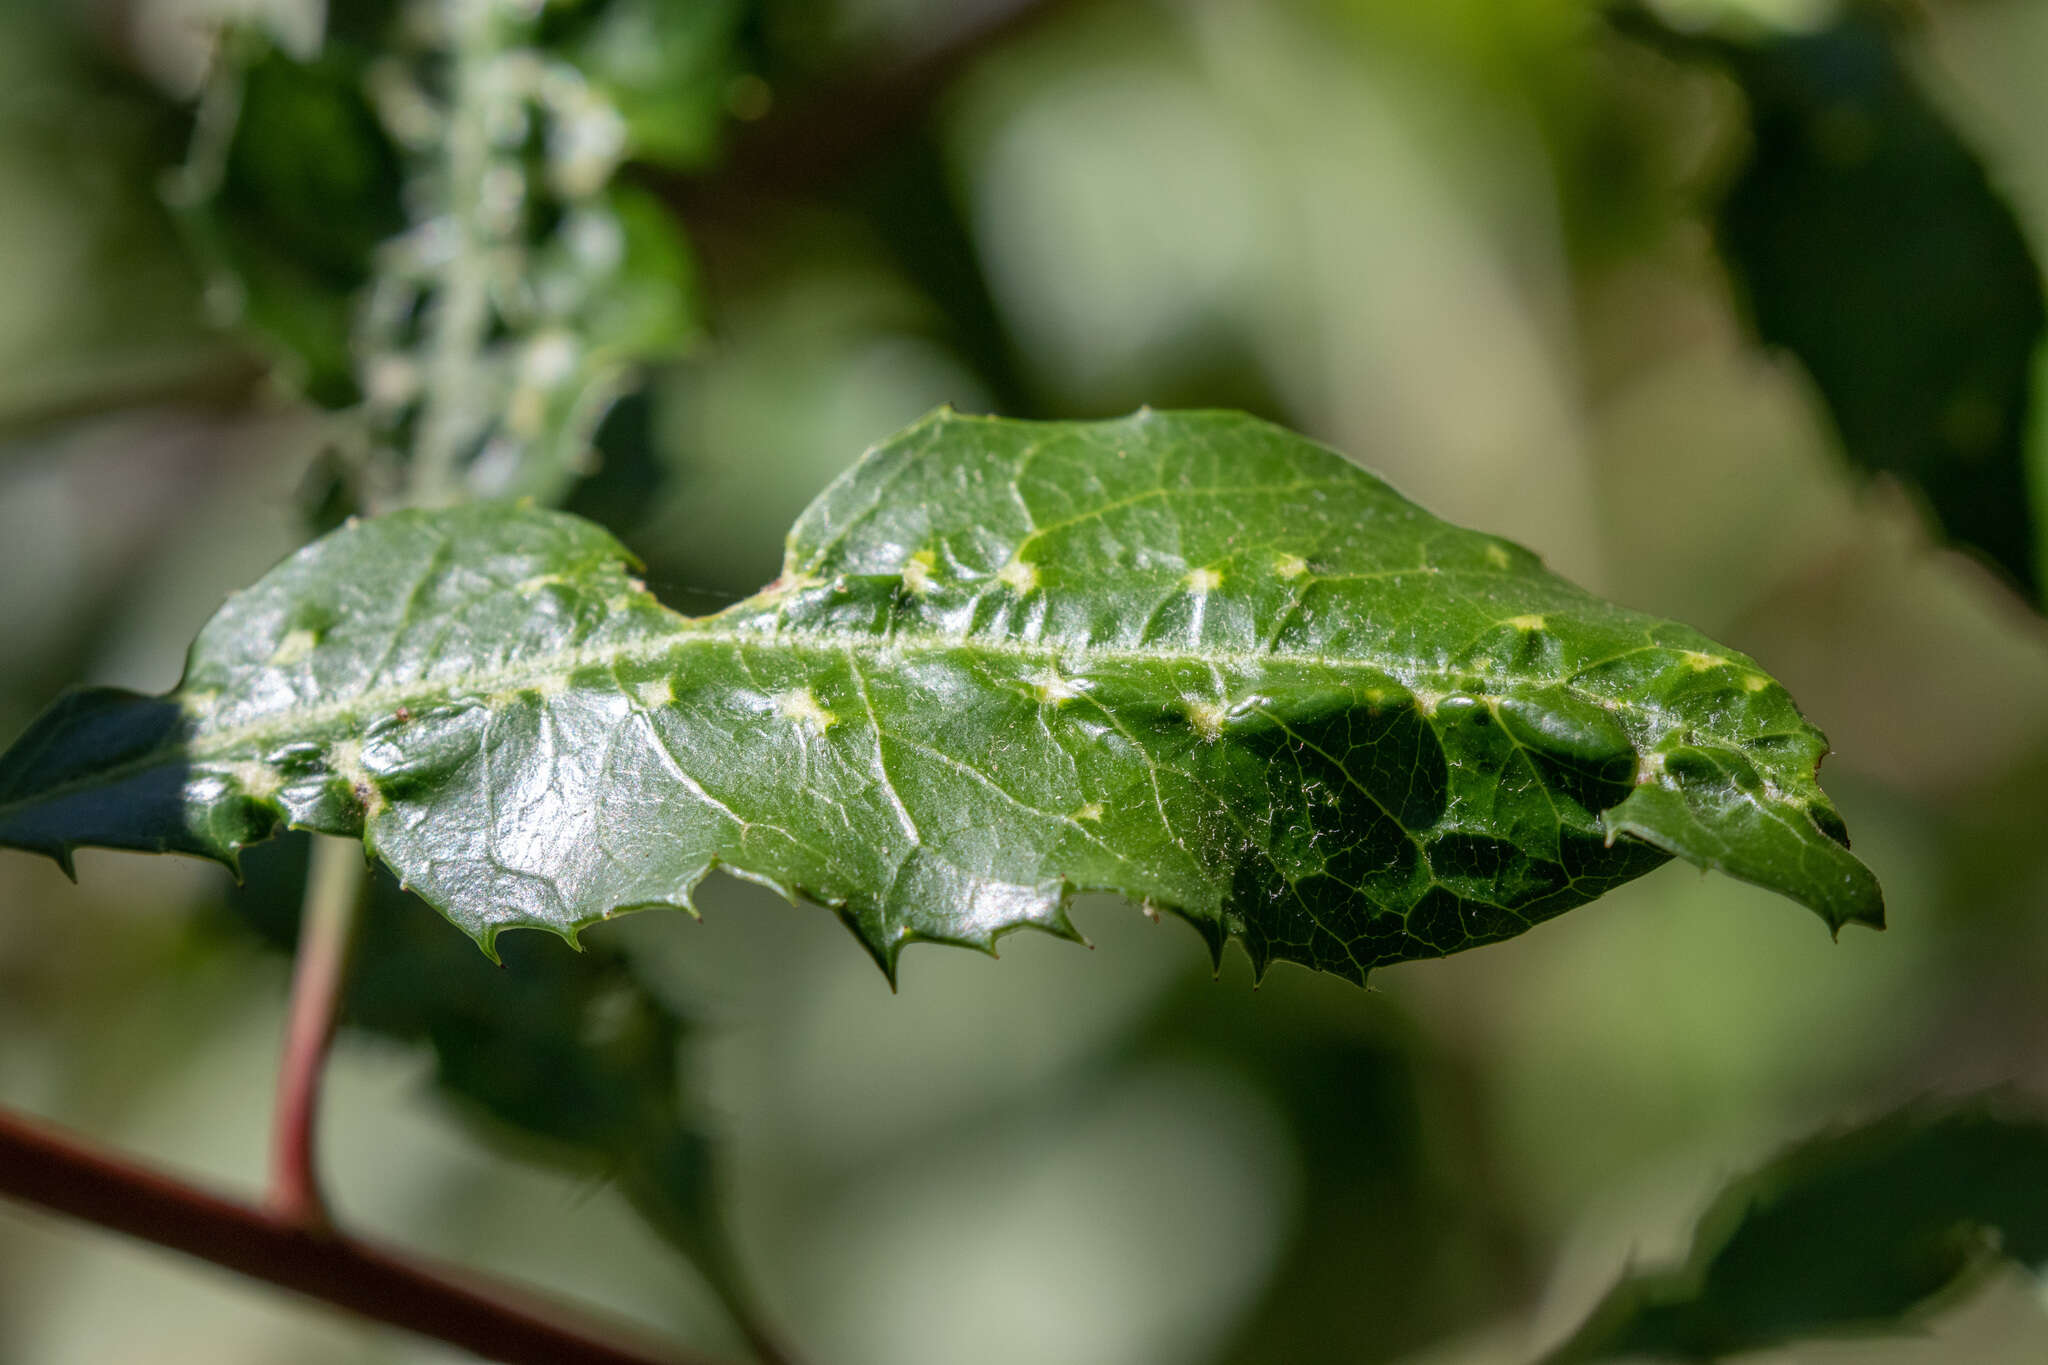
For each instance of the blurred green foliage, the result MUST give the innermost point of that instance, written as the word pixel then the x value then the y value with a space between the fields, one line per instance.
pixel 566 1055
pixel 1871 242
pixel 1850 1232
pixel 1489 248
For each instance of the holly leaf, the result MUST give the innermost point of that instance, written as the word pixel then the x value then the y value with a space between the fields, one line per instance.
pixel 1853 1231
pixel 1191 658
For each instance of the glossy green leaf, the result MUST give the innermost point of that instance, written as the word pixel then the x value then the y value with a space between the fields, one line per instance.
pixel 1850 1232
pixel 1188 657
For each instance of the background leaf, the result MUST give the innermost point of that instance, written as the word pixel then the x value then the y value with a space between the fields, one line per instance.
pixel 1870 241
pixel 1848 1232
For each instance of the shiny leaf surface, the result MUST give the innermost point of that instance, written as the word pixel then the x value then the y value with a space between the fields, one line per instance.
pixel 1191 658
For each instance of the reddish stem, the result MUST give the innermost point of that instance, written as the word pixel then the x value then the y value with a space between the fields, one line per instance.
pixel 47 1167
pixel 334 889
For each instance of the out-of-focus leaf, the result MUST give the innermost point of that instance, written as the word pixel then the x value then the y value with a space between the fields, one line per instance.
pixel 2037 461
pixel 1189 657
pixel 319 193
pixel 308 189
pixel 665 67
pixel 1396 1217
pixel 1871 243
pixel 643 309
pixel 1849 1232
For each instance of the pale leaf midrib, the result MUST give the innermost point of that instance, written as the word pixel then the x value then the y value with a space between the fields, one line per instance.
pixel 533 670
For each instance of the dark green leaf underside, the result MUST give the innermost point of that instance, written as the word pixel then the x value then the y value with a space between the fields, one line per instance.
pixel 1191 658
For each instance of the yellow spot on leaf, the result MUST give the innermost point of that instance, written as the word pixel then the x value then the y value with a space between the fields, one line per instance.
pixel 1526 622
pixel 295 646
pixel 1018 576
pixel 1204 580
pixel 1290 566
pixel 345 757
pixel 1497 556
pixel 1207 717
pixel 256 779
pixel 1053 688
pixel 917 572
pixel 345 760
pixel 1091 811
pixel 1702 662
pixel 1755 682
pixel 800 706
pixel 655 692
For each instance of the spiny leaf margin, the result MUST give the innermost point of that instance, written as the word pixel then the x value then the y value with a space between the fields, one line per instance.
pixel 1188 657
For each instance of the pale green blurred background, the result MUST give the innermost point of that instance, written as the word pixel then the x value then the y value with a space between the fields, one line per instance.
pixel 1464 241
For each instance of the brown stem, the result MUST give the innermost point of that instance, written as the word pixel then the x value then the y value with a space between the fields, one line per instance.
pixel 55 1170
pixel 334 889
